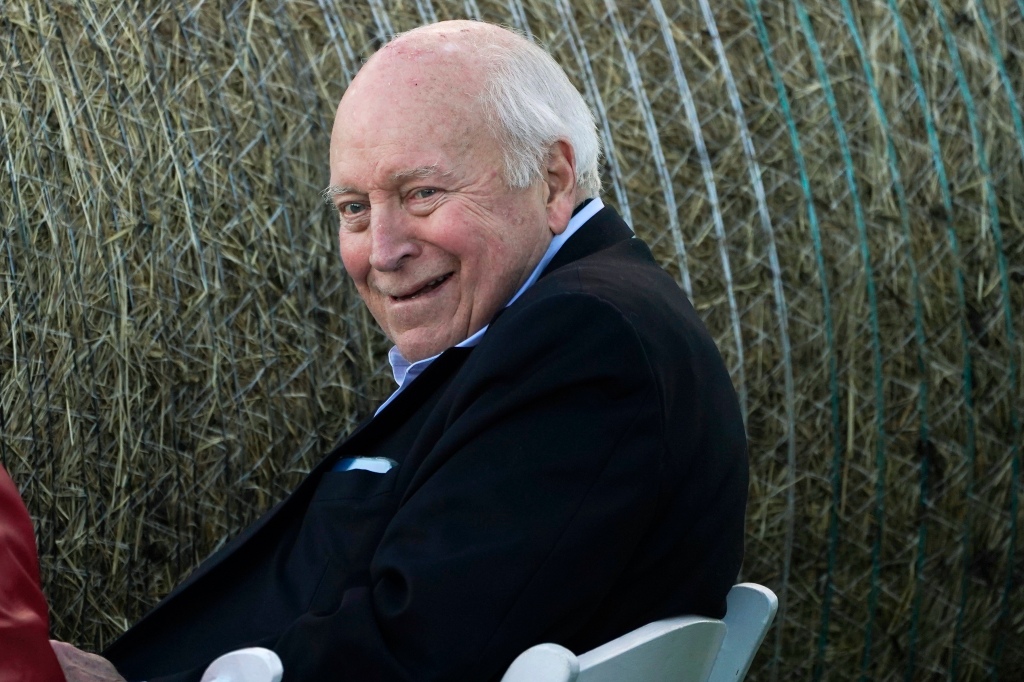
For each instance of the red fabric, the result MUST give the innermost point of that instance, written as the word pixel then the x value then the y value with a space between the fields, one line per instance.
pixel 25 653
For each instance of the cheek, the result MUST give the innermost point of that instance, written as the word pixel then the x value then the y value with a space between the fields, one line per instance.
pixel 354 258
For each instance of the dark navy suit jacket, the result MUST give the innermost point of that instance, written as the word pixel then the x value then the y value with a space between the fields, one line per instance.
pixel 579 473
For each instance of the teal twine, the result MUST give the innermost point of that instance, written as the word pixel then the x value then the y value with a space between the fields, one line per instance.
pixel 805 186
pixel 947 203
pixel 876 344
pixel 990 200
pixel 1004 610
pixel 901 198
pixel 923 387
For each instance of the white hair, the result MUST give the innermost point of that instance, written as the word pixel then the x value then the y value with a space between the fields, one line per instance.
pixel 531 105
pixel 536 105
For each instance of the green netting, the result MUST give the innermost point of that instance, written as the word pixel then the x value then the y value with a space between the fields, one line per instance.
pixel 838 186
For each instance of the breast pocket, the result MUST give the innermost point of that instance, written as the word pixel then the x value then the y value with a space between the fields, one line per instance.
pixel 343 526
pixel 355 484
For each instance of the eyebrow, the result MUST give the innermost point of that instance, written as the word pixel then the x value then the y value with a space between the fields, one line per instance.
pixel 328 193
pixel 331 191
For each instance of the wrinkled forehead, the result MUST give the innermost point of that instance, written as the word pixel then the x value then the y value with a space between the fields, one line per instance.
pixel 408 78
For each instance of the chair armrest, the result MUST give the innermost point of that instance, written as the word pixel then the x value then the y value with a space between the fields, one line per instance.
pixel 245 665
pixel 543 663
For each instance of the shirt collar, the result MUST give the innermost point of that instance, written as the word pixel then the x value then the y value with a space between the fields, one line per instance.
pixel 404 370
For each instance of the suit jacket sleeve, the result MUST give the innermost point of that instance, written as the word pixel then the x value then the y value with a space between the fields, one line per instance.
pixel 520 518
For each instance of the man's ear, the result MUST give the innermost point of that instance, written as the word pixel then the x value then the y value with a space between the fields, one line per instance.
pixel 560 177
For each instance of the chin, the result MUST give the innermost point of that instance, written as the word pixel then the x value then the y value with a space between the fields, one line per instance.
pixel 416 351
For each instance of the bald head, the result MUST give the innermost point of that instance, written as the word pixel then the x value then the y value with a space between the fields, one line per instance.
pixel 497 79
pixel 437 60
pixel 453 35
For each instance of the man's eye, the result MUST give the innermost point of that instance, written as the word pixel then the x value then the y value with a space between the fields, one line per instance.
pixel 352 208
pixel 425 193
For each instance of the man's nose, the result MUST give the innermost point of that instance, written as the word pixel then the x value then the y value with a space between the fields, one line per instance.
pixel 392 240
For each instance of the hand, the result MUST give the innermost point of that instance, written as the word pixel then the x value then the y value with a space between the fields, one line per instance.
pixel 79 666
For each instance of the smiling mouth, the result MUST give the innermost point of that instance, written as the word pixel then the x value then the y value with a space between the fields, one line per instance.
pixel 426 288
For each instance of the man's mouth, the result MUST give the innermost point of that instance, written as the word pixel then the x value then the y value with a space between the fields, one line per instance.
pixel 426 288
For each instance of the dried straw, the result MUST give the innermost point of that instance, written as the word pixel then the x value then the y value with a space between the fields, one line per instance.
pixel 838 185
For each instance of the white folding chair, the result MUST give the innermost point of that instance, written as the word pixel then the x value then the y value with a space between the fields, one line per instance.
pixel 245 665
pixel 682 649
pixel 750 612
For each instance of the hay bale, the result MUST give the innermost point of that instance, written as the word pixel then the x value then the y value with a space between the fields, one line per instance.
pixel 838 187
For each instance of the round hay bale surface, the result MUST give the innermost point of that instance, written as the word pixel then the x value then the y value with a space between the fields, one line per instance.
pixel 838 186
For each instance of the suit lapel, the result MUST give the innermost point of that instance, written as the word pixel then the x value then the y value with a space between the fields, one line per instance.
pixel 410 399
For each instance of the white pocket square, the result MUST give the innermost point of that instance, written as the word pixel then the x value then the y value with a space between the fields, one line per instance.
pixel 378 465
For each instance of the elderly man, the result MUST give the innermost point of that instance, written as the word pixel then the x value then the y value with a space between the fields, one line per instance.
pixel 564 458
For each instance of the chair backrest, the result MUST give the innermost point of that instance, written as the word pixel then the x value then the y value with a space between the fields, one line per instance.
pixel 751 610
pixel 245 665
pixel 683 649
pixel 673 650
